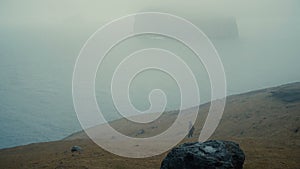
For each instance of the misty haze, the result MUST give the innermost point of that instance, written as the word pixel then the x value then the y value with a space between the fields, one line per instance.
pixel 257 42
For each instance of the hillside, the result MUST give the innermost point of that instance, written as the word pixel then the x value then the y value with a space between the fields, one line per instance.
pixel 265 123
pixel 271 113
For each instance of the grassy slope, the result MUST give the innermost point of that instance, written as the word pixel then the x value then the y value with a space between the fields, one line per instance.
pixel 265 123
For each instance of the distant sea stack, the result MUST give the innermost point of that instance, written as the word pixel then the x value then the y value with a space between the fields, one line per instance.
pixel 208 155
pixel 215 27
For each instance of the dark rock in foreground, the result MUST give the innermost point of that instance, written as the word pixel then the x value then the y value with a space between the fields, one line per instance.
pixel 213 154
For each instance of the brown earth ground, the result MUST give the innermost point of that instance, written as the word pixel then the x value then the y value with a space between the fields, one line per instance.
pixel 265 123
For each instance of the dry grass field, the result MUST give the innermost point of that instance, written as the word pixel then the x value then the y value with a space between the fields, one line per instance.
pixel 265 123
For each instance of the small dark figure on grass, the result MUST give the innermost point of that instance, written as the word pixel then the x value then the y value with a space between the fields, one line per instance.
pixel 191 130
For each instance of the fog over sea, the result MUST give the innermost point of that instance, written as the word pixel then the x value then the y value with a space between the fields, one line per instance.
pixel 258 45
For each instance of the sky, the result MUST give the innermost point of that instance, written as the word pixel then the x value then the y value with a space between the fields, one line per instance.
pixel 263 51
